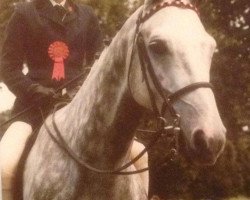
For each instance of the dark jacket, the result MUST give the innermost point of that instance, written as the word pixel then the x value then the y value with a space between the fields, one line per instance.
pixel 32 29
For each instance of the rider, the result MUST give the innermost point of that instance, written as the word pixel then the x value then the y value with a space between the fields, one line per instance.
pixel 54 38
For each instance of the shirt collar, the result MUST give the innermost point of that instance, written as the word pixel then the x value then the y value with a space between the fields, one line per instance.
pixel 59 4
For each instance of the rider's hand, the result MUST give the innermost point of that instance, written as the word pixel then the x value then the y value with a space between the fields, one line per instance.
pixel 40 94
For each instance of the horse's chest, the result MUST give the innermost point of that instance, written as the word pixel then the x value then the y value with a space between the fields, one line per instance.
pixel 112 188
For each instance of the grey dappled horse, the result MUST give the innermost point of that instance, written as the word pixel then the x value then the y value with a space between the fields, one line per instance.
pixel 98 125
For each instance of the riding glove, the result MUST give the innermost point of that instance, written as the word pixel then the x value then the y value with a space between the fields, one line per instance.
pixel 40 94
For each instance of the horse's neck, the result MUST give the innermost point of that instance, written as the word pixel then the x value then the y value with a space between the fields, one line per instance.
pixel 100 120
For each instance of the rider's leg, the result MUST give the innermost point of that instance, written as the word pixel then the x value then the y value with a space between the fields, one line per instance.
pixel 11 148
pixel 141 163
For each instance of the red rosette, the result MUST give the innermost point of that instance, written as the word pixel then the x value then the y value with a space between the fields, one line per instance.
pixel 58 51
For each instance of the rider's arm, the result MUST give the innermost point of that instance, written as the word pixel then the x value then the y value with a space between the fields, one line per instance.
pixel 12 57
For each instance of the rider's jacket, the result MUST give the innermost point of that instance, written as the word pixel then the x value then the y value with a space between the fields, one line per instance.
pixel 53 43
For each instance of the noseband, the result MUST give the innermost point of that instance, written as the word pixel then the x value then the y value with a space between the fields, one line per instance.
pixel 168 99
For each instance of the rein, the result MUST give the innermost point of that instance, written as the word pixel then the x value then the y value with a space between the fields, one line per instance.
pixel 118 171
pixel 147 68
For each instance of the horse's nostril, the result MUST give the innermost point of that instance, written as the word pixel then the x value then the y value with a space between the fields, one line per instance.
pixel 207 147
pixel 200 142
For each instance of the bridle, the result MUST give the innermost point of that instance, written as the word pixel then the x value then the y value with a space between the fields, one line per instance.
pixel 148 74
pixel 146 64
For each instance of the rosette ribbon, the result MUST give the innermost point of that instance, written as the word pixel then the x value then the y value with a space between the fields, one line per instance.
pixel 58 51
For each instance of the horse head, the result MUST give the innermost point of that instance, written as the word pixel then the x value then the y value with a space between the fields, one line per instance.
pixel 180 52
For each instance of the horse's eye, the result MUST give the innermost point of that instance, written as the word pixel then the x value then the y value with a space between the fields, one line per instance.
pixel 158 47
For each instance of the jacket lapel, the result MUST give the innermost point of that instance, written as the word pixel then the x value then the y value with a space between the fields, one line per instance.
pixel 70 23
pixel 47 11
pixel 73 22
pixel 71 14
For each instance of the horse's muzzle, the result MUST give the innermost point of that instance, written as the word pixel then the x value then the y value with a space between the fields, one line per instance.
pixel 203 150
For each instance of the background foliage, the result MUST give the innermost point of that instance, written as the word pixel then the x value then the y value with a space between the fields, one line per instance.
pixel 228 21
